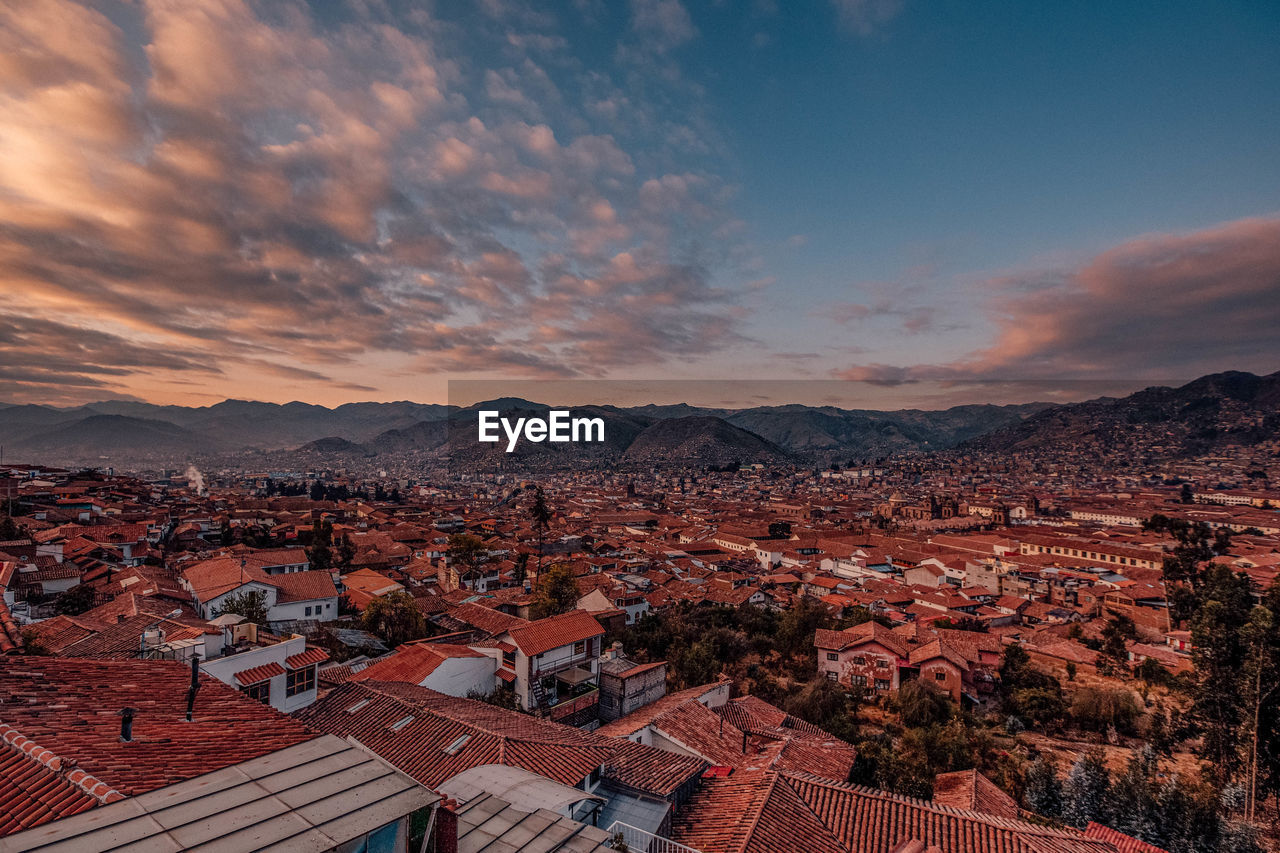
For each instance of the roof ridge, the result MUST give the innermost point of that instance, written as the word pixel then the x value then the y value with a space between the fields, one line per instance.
pixel 995 820
pixel 47 758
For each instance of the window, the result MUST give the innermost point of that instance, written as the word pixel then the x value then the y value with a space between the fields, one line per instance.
pixel 882 684
pixel 940 675
pixel 832 656
pixel 580 647
pixel 860 661
pixel 300 680
pixel 509 658
pixel 308 611
pixel 831 676
pixel 260 691
pixel 881 663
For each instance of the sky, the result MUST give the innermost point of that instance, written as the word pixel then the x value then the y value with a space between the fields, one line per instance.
pixel 925 200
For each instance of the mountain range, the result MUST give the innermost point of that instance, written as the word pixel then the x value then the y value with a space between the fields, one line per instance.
pixel 1210 412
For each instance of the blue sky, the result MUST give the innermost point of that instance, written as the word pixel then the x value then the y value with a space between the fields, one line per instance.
pixel 338 201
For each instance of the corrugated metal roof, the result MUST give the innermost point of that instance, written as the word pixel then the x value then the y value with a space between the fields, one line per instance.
pixel 312 796
pixel 490 825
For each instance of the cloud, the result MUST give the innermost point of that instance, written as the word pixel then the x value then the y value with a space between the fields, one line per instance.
pixel 1161 307
pixel 865 17
pixel 914 320
pixel 214 182
pixel 664 24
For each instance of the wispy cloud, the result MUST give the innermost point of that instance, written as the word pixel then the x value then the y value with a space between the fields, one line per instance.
pixel 1159 307
pixel 222 183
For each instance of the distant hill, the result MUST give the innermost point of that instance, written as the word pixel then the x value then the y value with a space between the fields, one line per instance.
pixel 1217 410
pixel 1223 409
pixel 703 440
pixel 113 435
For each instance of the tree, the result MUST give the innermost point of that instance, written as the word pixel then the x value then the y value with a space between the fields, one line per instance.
pixel 1135 807
pixel 1113 657
pixel 317 490
pixel 467 553
pixel 394 618
pixel 799 622
pixel 1042 792
pixel 1084 795
pixel 1219 653
pixel 540 520
pixel 521 572
pixel 320 554
pixel 920 705
pixel 780 530
pixel 76 600
pixel 251 604
pixel 1259 682
pixel 556 592
pixel 1099 710
pixel 1043 707
pixel 346 551
pixel 828 706
pixel 9 530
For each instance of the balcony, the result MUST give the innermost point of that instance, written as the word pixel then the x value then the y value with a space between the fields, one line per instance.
pixel 568 703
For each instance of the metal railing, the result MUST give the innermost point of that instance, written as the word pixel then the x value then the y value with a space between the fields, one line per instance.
pixel 635 840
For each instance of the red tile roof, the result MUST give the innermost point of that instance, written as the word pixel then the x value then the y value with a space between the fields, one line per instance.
pixel 431 722
pixel 70 708
pixel 306 658
pixel 303 586
pixel 767 811
pixel 969 789
pixel 1123 843
pixel 255 674
pixel 413 662
pixel 33 789
pixel 553 632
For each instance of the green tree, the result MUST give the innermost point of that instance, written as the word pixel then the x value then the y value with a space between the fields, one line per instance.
pixel 345 552
pixel 799 622
pixel 76 600
pixel 1042 792
pixel 1097 710
pixel 556 592
pixel 539 520
pixel 779 530
pixel 467 553
pixel 1219 653
pixel 828 706
pixel 1113 657
pixel 394 618
pixel 920 705
pixel 1084 794
pixel 1134 798
pixel 9 530
pixel 251 604
pixel 320 554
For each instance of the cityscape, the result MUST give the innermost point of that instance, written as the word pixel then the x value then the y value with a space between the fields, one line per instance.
pixel 651 427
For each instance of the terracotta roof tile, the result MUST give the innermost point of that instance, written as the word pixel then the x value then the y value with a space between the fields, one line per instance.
pixel 544 635
pixel 255 674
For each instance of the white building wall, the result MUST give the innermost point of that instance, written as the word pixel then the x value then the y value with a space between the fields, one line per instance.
pixel 225 668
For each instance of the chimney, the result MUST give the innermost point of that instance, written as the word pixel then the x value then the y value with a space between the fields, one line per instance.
pixel 126 724
pixel 447 826
pixel 119 618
